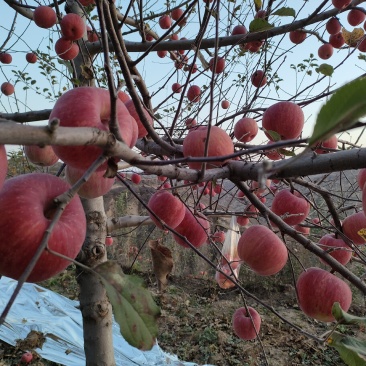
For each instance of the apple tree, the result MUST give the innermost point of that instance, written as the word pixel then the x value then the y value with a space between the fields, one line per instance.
pixel 266 98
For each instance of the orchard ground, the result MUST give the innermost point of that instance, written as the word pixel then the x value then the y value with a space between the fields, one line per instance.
pixel 195 323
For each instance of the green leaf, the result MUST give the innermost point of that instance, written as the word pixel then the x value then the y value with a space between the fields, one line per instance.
pixel 343 317
pixel 351 350
pixel 341 111
pixel 133 306
pixel 285 12
pixel 286 152
pixel 325 69
pixel 275 136
pixel 258 25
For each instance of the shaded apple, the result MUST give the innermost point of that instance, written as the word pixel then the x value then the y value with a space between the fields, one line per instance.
pixel 194 93
pixel 327 146
pixel 7 88
pixel 245 129
pixel 72 27
pixel 3 165
pixel 259 79
pixel 333 26
pixel 335 247
pixel 42 156
pixel 31 57
pixel 66 49
pixel 297 36
pixel 325 51
pixel 318 290
pixel 142 132
pixel 354 227
pixel 246 326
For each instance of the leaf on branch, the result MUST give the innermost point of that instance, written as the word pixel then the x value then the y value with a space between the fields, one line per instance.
pixel 352 38
pixel 286 152
pixel 351 350
pixel 341 111
pixel 133 306
pixel 258 25
pixel 285 12
pixel 257 4
pixel 275 136
pixel 343 317
pixel 325 69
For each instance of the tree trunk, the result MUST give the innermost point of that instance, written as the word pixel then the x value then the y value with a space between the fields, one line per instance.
pixel 94 304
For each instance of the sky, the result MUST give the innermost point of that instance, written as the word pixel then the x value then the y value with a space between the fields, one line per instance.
pixel 27 36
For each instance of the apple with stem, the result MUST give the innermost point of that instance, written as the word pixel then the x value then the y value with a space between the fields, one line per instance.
pixel 72 27
pixel 246 326
pixel 336 247
pixel 44 16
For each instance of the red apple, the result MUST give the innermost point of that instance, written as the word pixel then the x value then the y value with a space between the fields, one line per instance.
pixel 333 26
pixel 291 207
pixel 335 247
pixel 6 58
pixel 259 189
pixel 239 29
pixel 136 178
pixel 355 17
pixel 44 17
pixel 361 177
pixel 87 2
pixel 297 36
pixel 3 165
pixel 165 22
pixel 72 27
pixel 43 156
pixel 273 154
pixel 341 4
pixel 162 53
pixel 245 129
pixel 222 280
pixel 304 230
pixel 318 290
pixel 28 201
pixel 354 227
pixel 31 57
pixel 220 65
pixel 225 104
pixel 259 79
pixel 195 228
pixel 142 132
pixel 362 45
pixel 167 207
pixel 95 186
pixel 220 144
pixel 219 236
pixel 176 88
pixel 246 326
pixel 176 13
pixel 324 146
pixel 108 241
pixel 190 122
pixel 285 118
pixel 242 220
pixel 92 36
pixel 337 40
pixel 325 51
pixel 7 88
pixel 123 97
pixel 194 93
pixel 90 107
pixel 66 50
pixel 262 250
pixel 26 357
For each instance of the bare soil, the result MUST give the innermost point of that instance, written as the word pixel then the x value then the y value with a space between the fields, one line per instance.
pixel 195 324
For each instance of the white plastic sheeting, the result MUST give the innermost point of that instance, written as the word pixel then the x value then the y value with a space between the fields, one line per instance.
pixel 59 319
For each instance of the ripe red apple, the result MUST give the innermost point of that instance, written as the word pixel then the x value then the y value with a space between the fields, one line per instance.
pixel 136 178
pixel 89 107
pixel 273 154
pixel 304 230
pixel 242 220
pixel 337 40
pixel 176 88
pixel 142 132
pixel 333 26
pixel 245 129
pixel 92 36
pixel 95 186
pixel 87 2
pixel 297 36
pixel 324 146
pixel 325 51
pixel 44 17
pixel 66 49
pixel 31 57
pixel 108 241
pixel 3 165
pixel 361 177
pixel 190 122
pixel 194 93
pixel 225 104
pixel 262 250
pixel 28 201
pixel 259 79
pixel 355 17
pixel 239 29
pixel 259 189
pixel 220 65
pixel 167 207
pixel 165 22
pixel 220 144
pixel 7 88
pixel 246 326
pixel 72 27
pixel 354 226
pixel 362 45
pixel 26 357
pixel 222 280
pixel 335 247
pixel 123 97
pixel 6 58
pixel 285 118
pixel 176 13
pixel 195 228
pixel 341 4
pixel 219 236
pixel 162 53
pixel 43 156
pixel 318 290
pixel 291 207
